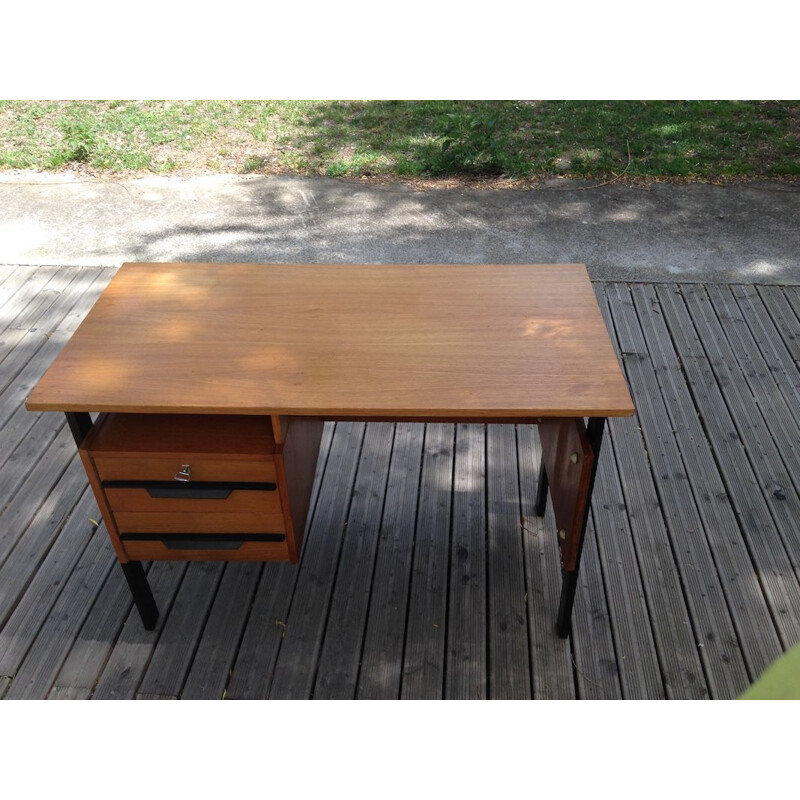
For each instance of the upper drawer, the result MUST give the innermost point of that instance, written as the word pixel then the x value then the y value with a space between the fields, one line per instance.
pixel 121 468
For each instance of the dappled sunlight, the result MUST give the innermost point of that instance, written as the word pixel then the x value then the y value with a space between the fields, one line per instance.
pixel 21 236
pixel 761 267
pixel 548 329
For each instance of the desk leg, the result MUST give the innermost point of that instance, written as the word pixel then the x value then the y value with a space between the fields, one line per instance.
pixel 541 490
pixel 142 594
pixel 80 423
pixel 569 577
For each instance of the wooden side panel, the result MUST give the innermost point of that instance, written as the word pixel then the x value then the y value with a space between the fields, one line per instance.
pixel 105 510
pixel 568 460
pixel 296 464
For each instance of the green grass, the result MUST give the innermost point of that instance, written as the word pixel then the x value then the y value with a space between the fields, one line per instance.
pixel 692 140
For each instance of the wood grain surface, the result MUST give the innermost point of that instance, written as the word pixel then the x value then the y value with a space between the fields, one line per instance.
pixel 406 341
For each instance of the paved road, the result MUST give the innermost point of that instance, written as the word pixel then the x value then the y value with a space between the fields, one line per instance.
pixel 741 233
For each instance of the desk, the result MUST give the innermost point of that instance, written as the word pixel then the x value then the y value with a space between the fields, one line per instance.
pixel 234 367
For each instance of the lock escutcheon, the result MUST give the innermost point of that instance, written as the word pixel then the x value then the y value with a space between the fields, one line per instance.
pixel 185 474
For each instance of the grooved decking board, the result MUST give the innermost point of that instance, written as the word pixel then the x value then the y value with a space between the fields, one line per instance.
pixel 672 627
pixel 214 657
pixel 65 644
pixel 762 328
pixel 69 693
pixel 780 413
pixel 300 645
pixel 551 656
pixel 426 630
pixel 338 663
pixel 768 471
pixel 466 674
pixel 784 308
pixel 36 604
pixel 252 672
pixel 637 660
pixel 733 441
pixel 174 651
pixel 34 528
pixel 597 673
pixel 122 672
pixel 16 305
pixel 714 487
pixel 382 651
pixel 38 670
pixel 509 665
pixel 720 651
pixel 12 278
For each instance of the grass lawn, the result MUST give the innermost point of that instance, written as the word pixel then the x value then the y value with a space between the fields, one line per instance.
pixel 691 140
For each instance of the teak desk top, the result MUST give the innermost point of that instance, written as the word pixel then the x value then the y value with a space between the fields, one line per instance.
pixel 395 341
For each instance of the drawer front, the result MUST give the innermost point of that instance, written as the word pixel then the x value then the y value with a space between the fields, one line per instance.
pixel 193 550
pixel 156 500
pixel 198 522
pixel 159 468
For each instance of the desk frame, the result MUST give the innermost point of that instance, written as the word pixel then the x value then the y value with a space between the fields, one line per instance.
pixel 572 451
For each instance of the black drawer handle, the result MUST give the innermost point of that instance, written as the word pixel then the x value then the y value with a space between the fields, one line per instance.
pixel 190 493
pixel 202 541
pixel 208 490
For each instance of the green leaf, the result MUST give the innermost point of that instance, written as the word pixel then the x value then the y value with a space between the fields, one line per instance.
pixel 780 681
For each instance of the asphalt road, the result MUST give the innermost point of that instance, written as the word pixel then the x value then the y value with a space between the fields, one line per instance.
pixel 737 233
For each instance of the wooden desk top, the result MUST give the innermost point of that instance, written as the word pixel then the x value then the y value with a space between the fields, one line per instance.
pixel 361 341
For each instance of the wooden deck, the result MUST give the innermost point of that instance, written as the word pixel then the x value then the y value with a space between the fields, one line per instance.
pixel 425 573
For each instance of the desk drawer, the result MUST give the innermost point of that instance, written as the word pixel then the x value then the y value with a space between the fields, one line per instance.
pixel 241 547
pixel 198 522
pixel 160 468
pixel 201 498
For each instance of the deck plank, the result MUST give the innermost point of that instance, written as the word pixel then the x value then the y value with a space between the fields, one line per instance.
pixel 466 674
pixel 40 666
pixel 344 631
pixel 426 629
pixel 715 484
pixel 33 527
pixel 714 627
pixel 741 441
pixel 784 309
pixel 382 651
pixel 509 664
pixel 174 651
pixel 767 470
pixel 687 535
pixel 299 648
pixel 594 654
pixel 36 604
pixel 252 672
pixel 211 664
pixel 116 675
pixel 765 333
pixel 551 656
pixel 637 660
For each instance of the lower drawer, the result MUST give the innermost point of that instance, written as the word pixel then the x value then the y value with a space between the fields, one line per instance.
pixel 195 549
pixel 197 522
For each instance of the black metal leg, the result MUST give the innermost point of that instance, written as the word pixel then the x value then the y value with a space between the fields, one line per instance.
pixel 569 580
pixel 142 595
pixel 541 491
pixel 79 423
